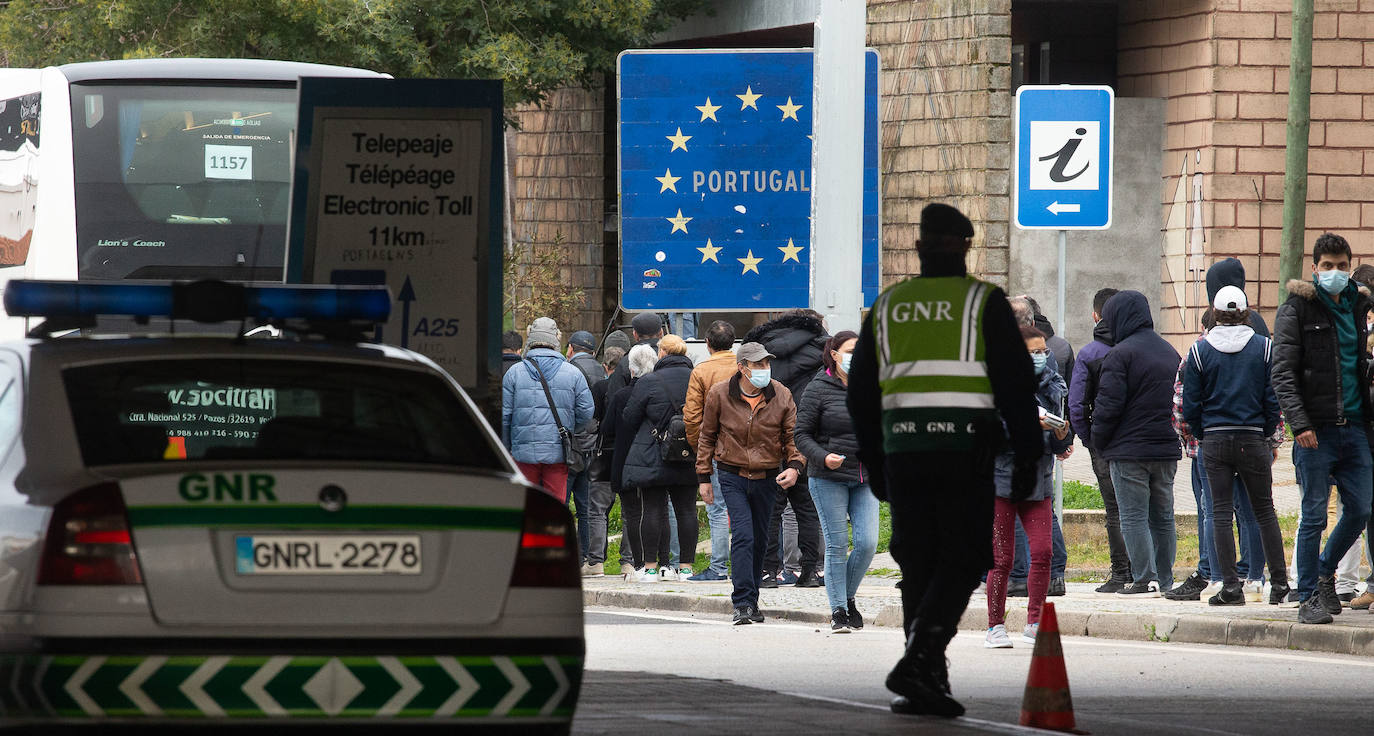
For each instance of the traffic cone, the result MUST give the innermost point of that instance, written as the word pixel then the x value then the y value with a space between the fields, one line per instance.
pixel 1047 703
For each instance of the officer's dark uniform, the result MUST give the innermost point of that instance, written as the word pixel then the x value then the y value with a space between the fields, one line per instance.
pixel 939 366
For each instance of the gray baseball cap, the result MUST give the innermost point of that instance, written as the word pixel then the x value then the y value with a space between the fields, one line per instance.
pixel 752 352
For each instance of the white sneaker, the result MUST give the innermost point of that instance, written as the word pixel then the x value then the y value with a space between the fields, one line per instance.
pixel 997 638
pixel 1254 591
pixel 1211 589
pixel 647 575
pixel 1028 633
pixel 667 574
pixel 683 573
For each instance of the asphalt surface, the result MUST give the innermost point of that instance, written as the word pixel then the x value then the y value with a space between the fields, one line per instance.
pixel 679 674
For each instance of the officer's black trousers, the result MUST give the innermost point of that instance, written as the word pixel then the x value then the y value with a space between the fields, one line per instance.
pixel 941 535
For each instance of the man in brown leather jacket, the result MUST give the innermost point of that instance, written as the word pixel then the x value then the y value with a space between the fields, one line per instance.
pixel 746 429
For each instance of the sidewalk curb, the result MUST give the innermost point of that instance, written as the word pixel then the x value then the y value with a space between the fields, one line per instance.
pixel 1163 628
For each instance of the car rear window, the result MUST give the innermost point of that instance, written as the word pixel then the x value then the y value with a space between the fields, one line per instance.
pixel 206 409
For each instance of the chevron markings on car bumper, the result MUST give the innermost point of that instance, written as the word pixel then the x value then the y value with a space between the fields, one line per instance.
pixel 287 686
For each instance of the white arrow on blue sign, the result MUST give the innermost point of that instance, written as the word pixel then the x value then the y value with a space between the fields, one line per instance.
pixel 1063 167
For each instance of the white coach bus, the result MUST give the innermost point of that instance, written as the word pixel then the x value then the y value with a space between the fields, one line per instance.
pixel 148 169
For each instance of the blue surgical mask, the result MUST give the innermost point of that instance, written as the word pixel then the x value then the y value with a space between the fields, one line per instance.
pixel 1040 360
pixel 844 361
pixel 759 377
pixel 1334 281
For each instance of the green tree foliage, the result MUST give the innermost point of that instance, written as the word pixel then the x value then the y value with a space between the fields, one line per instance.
pixel 534 45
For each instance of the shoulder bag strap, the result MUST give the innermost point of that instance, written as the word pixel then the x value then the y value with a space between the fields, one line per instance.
pixel 553 408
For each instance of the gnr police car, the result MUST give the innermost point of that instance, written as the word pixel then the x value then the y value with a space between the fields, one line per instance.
pixel 266 531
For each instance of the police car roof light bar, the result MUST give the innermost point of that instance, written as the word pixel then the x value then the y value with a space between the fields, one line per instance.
pixel 202 301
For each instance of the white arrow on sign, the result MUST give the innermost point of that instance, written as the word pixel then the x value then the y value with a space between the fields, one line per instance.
pixel 1056 208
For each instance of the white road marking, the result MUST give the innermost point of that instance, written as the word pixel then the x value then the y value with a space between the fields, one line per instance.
pixel 410 687
pixel 1233 651
pixel 78 681
pixel 978 723
pixel 563 685
pixel 132 686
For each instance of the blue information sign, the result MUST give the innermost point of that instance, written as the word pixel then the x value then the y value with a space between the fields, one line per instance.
pixel 715 180
pixel 1063 167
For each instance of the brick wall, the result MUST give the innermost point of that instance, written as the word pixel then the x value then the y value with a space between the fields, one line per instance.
pixel 946 122
pixel 1223 67
pixel 557 160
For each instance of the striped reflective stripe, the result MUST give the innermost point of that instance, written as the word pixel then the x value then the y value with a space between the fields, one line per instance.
pixel 914 368
pixel 884 352
pixel 968 329
pixel 938 400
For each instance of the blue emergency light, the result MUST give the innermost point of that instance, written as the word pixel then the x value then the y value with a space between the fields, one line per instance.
pixel 202 301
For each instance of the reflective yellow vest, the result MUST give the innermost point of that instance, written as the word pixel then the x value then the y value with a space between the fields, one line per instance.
pixel 931 363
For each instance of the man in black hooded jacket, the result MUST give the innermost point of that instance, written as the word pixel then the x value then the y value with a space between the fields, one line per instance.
pixel 798 339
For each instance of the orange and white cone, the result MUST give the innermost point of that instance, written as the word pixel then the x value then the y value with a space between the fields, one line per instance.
pixel 1047 703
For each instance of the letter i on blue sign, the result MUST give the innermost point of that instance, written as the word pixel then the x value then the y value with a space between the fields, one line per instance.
pixel 244 554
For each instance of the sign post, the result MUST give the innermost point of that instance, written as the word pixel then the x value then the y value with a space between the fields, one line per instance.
pixel 837 198
pixel 398 182
pixel 1062 174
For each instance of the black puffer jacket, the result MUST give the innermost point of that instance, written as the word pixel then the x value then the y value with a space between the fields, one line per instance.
pixel 824 426
pixel 1307 359
pixel 1133 413
pixel 799 342
pixel 654 398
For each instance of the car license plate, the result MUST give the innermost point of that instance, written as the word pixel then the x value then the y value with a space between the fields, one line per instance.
pixel 327 555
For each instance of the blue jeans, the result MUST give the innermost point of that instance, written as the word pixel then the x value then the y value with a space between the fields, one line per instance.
pixel 1059 556
pixel 751 506
pixel 1145 493
pixel 718 518
pixel 1341 454
pixel 838 504
pixel 578 488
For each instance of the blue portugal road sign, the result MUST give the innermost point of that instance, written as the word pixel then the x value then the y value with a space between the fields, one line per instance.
pixel 1063 168
pixel 715 180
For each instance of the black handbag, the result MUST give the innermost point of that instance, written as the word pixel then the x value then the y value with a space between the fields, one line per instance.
pixel 573 454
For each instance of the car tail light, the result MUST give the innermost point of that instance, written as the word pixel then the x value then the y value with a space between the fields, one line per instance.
pixel 88 541
pixel 548 556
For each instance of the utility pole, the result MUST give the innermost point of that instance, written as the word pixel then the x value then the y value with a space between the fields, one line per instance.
pixel 837 188
pixel 1292 247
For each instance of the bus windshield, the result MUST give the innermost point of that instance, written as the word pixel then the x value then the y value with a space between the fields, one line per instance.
pixel 182 180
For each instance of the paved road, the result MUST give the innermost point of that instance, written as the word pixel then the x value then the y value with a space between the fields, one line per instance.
pixel 675 674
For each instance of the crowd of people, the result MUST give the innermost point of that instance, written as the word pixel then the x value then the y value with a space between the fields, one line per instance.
pixel 951 403
pixel 760 433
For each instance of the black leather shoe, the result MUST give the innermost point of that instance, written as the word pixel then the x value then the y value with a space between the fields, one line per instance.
pixel 742 616
pixel 1017 589
pixel 923 692
pixel 1326 594
pixel 769 580
pixel 1057 587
